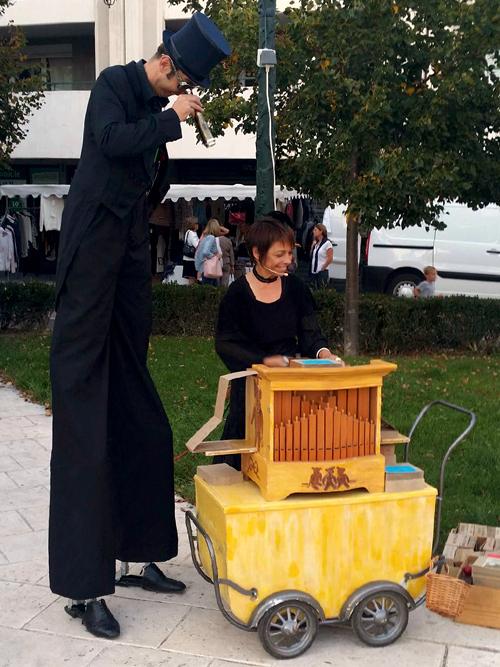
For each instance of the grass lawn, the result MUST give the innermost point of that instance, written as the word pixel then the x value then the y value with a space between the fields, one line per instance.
pixel 186 372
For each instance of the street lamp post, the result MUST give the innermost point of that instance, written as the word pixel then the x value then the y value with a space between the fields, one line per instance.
pixel 266 78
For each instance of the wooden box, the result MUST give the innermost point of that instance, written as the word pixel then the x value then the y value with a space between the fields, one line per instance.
pixel 482 607
pixel 315 429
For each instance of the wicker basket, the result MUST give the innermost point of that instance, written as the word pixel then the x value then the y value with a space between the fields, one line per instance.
pixel 446 595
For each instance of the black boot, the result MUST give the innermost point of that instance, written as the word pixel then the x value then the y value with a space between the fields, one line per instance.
pixel 153 579
pixel 96 618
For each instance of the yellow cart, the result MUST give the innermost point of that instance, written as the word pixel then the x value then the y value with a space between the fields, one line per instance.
pixel 283 567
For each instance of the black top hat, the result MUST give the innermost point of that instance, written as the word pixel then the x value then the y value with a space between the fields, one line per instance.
pixel 196 48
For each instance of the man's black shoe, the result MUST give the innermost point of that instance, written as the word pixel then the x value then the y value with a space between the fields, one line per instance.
pixel 96 617
pixel 153 579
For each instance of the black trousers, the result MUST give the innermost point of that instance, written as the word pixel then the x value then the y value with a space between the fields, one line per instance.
pixel 112 494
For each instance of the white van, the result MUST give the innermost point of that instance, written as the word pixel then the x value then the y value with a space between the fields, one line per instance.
pixel 466 254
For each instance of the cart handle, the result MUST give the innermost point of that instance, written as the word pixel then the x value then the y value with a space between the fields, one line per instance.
pixel 252 592
pixel 457 441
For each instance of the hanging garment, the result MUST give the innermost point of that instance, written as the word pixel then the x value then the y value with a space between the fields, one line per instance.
pixel 161 246
pixel 163 215
pixel 51 210
pixel 7 256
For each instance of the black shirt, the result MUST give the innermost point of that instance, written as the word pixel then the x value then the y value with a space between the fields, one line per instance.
pixel 249 330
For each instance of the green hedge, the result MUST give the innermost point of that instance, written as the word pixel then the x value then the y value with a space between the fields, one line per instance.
pixel 387 324
pixel 25 305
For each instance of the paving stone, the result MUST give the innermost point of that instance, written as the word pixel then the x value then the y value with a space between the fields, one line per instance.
pixel 21 648
pixel 16 421
pixel 142 657
pixel 21 498
pixel 11 523
pixel 199 593
pixel 30 572
pixel 143 623
pixel 205 632
pixel 26 547
pixel 21 603
pixel 41 420
pixel 31 478
pixel 7 463
pixel 45 441
pixel 37 517
pixel 6 482
pixel 427 626
pixel 467 657
pixel 34 457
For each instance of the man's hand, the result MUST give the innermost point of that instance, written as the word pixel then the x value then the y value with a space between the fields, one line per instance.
pixel 186 105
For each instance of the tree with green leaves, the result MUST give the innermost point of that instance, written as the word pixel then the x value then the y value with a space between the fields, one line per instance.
pixel 388 107
pixel 20 91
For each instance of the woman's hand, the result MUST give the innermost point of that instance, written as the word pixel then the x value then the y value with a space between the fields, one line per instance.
pixel 276 361
pixel 326 354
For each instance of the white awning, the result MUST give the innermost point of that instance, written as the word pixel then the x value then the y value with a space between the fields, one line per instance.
pixel 228 192
pixel 33 190
pixel 175 193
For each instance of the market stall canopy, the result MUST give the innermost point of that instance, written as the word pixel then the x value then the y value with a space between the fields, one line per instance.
pixel 175 193
pixel 227 192
pixel 33 190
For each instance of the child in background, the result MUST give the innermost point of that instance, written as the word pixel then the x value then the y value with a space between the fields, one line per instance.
pixel 426 288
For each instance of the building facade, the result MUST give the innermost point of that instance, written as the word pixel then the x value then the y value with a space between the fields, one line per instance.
pixel 71 41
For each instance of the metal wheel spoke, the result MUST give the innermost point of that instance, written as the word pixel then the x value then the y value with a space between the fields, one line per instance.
pixel 289 614
pixel 369 619
pixel 369 611
pixel 280 617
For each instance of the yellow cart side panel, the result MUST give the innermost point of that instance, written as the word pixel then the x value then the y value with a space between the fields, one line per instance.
pixel 211 515
pixel 327 546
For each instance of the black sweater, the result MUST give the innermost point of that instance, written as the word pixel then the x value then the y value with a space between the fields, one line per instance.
pixel 249 330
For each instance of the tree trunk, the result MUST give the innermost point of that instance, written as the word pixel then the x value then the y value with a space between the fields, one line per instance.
pixel 351 312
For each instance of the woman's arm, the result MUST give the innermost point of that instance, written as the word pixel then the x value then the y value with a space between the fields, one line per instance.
pixel 329 259
pixel 312 342
pixel 193 238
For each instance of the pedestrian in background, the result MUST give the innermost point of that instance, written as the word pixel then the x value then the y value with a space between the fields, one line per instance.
pixel 227 249
pixel 321 256
pixel 191 241
pixel 427 287
pixel 208 258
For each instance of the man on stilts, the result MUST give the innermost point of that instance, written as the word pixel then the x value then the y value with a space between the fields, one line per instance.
pixel 112 494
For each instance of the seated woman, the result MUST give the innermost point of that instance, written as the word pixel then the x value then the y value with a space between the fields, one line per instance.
pixel 265 317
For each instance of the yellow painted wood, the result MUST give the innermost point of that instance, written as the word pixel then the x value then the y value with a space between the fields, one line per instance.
pixel 392 437
pixel 277 480
pixel 327 545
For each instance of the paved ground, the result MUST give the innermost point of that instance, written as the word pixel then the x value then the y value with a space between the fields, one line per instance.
pixel 180 631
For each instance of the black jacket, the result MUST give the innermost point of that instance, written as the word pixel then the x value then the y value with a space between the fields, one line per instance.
pixel 122 132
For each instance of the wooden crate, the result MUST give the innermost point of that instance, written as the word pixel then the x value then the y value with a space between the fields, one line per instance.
pixel 481 607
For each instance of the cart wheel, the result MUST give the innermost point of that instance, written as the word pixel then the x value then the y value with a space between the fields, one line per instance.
pixel 380 618
pixel 288 629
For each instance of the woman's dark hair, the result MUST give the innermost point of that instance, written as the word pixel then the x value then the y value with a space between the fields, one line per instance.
pixel 264 232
